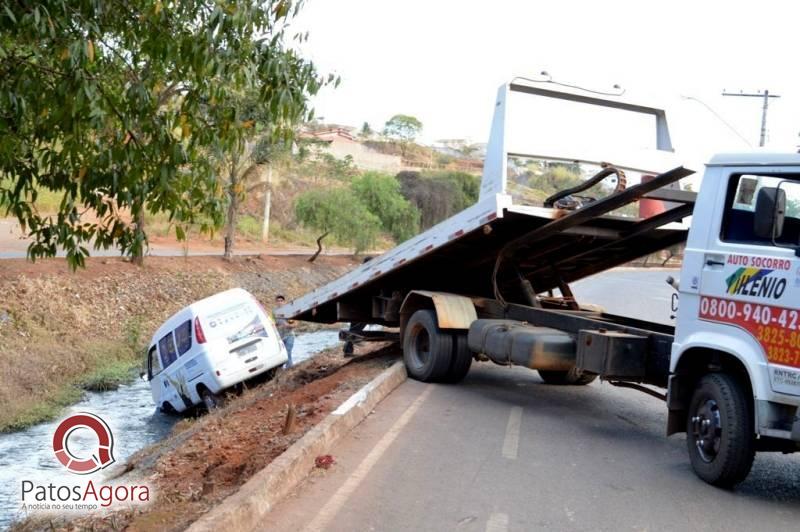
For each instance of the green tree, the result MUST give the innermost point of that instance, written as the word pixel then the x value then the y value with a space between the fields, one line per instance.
pixel 439 194
pixel 341 213
pixel 381 195
pixel 366 131
pixel 404 129
pixel 122 106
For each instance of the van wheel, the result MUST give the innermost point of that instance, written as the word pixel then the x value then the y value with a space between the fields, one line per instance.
pixel 427 351
pixel 573 377
pixel 719 431
pixel 462 360
pixel 211 400
pixel 168 409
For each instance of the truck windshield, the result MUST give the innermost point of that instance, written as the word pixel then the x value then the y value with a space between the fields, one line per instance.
pixel 738 224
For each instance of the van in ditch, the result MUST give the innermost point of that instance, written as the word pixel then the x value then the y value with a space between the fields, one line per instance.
pixel 210 346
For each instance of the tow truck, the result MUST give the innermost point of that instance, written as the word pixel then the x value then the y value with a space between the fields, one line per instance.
pixel 492 283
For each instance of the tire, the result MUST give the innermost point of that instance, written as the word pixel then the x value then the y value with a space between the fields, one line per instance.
pixel 427 351
pixel 168 409
pixel 461 360
pixel 573 377
pixel 721 456
pixel 211 400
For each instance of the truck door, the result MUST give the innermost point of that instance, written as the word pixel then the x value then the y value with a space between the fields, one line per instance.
pixel 753 282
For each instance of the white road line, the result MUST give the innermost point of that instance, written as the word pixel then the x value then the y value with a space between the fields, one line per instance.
pixel 511 443
pixel 497 522
pixel 332 507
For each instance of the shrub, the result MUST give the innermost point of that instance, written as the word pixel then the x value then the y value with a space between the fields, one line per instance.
pixel 381 195
pixel 340 212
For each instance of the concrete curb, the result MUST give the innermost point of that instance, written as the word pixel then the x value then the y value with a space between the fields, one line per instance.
pixel 245 509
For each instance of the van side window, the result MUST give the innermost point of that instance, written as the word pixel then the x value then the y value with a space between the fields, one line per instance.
pixel 738 223
pixel 183 337
pixel 153 363
pixel 166 347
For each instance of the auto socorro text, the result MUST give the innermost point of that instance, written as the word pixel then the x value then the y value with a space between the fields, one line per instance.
pixel 80 493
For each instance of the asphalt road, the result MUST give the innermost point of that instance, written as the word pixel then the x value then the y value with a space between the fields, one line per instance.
pixel 503 451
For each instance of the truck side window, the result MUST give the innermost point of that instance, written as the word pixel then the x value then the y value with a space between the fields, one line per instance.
pixel 166 347
pixel 740 206
pixel 183 337
pixel 153 363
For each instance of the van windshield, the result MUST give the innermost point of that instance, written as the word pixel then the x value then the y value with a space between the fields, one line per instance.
pixel 236 323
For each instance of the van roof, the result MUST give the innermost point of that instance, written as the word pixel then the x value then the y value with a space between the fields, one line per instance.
pixel 201 306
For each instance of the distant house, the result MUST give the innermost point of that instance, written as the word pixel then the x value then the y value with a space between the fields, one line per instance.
pixel 340 143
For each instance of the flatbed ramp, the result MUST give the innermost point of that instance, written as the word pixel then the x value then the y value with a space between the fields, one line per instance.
pixel 495 244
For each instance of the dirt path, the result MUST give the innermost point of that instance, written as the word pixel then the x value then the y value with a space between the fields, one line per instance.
pixel 14 245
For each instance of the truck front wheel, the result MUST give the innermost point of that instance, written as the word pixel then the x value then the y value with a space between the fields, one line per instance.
pixel 427 350
pixel 719 431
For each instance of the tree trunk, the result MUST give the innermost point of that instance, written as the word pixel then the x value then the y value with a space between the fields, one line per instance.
pixel 138 251
pixel 319 247
pixel 233 207
pixel 267 206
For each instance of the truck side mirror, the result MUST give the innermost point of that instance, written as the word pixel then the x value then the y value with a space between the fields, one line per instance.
pixel 770 212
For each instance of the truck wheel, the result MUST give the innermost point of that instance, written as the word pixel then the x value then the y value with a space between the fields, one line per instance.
pixel 427 351
pixel 211 400
pixel 573 377
pixel 719 431
pixel 462 360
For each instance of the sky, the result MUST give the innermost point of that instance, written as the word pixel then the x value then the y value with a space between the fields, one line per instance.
pixel 442 61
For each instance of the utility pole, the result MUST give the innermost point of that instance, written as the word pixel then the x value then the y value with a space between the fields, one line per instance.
pixel 765 96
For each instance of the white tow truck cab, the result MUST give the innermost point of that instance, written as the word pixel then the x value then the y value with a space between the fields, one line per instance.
pixel 210 346
pixel 493 283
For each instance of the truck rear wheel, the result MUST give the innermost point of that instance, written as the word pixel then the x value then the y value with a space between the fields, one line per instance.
pixel 461 361
pixel 427 350
pixel 573 377
pixel 719 431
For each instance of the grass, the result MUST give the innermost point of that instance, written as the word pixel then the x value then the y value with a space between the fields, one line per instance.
pixel 109 376
pixel 103 365
pixel 43 410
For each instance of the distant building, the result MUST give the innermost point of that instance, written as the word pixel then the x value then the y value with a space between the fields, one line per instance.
pixel 341 142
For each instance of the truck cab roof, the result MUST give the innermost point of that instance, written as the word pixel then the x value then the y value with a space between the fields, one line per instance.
pixel 755 158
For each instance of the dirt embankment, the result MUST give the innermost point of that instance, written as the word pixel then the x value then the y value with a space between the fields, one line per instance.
pixel 58 328
pixel 208 458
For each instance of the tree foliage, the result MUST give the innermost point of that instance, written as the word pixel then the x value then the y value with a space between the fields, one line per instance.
pixel 439 195
pixel 121 105
pixel 340 212
pixel 404 128
pixel 381 195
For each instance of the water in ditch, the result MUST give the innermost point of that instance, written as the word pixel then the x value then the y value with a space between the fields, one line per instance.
pixel 131 416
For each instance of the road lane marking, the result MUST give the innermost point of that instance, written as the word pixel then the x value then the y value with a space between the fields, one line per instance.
pixel 497 522
pixel 511 443
pixel 335 503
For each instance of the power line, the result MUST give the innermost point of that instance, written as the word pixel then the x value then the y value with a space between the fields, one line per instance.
pixel 719 117
pixel 765 96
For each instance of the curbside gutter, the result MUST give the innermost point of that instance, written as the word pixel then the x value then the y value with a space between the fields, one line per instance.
pixel 245 509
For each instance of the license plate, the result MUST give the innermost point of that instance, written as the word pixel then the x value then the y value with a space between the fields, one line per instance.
pixel 246 350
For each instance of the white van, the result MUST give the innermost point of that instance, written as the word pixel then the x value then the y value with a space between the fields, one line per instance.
pixel 211 345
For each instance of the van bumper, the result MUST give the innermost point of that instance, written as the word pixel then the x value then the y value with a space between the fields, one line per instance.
pixel 247 367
